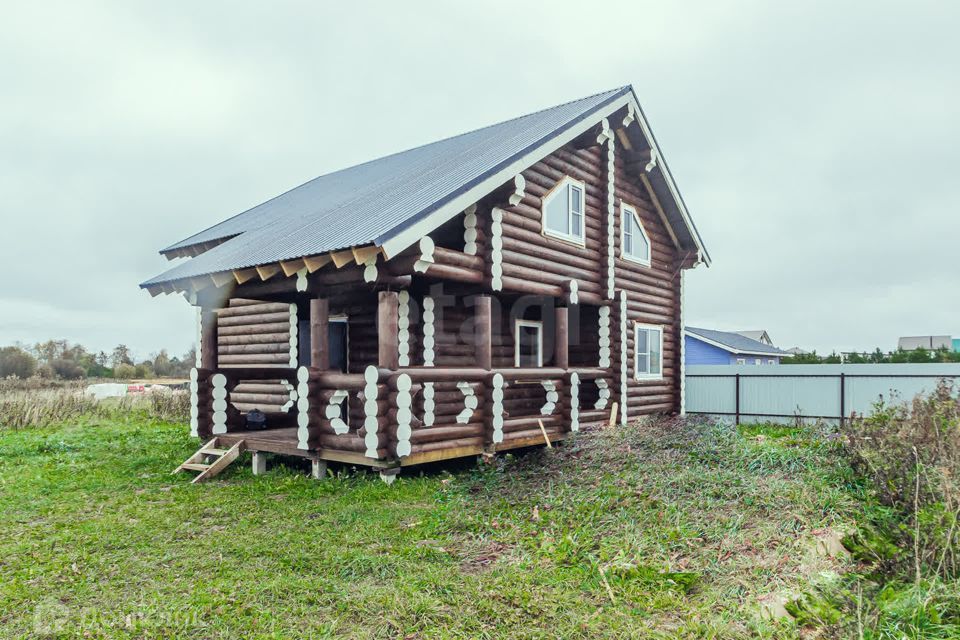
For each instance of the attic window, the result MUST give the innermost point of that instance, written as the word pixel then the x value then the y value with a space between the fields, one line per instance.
pixel 563 211
pixel 634 243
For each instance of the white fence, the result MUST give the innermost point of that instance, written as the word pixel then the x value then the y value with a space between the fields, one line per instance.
pixel 784 393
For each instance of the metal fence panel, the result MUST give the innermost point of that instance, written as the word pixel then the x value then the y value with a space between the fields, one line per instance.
pixel 710 394
pixel 863 393
pixel 785 393
pixel 811 396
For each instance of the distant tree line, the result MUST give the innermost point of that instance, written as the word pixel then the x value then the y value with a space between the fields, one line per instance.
pixel 62 360
pixel 919 355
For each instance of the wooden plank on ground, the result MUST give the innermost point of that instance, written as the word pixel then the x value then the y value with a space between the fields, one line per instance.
pixel 220 463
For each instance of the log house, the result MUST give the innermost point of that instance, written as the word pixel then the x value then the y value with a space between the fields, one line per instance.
pixel 443 301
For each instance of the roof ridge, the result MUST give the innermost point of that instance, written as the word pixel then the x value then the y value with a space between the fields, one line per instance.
pixel 184 243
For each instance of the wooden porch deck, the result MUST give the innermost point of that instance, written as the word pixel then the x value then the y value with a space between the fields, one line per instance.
pixel 284 442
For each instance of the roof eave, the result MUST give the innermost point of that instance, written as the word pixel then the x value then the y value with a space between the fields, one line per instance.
pixel 734 350
pixel 403 236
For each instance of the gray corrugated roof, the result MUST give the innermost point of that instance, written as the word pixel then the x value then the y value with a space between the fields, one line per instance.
pixel 909 343
pixel 372 201
pixel 736 342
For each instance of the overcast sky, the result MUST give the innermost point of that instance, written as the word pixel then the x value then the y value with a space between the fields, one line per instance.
pixel 817 146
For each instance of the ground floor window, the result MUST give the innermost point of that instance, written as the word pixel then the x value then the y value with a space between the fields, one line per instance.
pixel 338 342
pixel 648 351
pixel 528 344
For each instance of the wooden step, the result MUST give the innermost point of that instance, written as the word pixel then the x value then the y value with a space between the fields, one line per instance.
pixel 223 459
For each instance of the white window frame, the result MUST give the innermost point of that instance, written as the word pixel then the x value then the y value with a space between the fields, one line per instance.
pixel 534 324
pixel 771 361
pixel 637 374
pixel 758 361
pixel 559 188
pixel 741 361
pixel 624 210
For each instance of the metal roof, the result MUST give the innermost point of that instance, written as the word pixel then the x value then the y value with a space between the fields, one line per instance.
pixel 735 343
pixel 909 343
pixel 377 200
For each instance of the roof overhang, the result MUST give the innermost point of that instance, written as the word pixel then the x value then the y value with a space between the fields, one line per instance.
pixel 623 103
pixel 729 349
pixel 660 178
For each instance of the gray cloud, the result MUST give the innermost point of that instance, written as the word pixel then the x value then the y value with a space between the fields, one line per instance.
pixel 815 145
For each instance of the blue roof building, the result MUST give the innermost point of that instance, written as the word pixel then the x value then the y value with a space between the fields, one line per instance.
pixel 708 346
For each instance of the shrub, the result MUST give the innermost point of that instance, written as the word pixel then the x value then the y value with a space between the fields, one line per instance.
pixel 67 369
pixel 14 361
pixel 124 371
pixel 909 454
pixel 173 406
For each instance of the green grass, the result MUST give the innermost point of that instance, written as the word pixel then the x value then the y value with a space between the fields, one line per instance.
pixel 656 530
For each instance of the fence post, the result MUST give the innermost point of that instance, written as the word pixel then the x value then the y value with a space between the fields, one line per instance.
pixel 737 402
pixel 843 399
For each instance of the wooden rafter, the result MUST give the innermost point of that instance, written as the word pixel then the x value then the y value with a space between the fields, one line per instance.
pixel 221 279
pixel 290 267
pixel 243 275
pixel 362 254
pixel 267 271
pixel 340 258
pixel 313 263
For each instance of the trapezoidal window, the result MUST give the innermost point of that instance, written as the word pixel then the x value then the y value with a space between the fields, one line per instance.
pixel 563 211
pixel 647 351
pixel 528 344
pixel 634 243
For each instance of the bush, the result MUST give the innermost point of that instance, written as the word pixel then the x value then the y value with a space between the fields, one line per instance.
pixel 124 371
pixel 67 369
pixel 14 361
pixel 909 455
pixel 172 406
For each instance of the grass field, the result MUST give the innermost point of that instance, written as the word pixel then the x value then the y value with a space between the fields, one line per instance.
pixel 654 530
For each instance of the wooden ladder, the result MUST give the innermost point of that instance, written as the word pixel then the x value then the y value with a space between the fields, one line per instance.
pixel 224 457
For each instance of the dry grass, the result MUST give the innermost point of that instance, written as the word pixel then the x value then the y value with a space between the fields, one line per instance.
pixel 41 403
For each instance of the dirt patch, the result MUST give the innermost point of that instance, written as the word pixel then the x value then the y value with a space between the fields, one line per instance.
pixel 483 557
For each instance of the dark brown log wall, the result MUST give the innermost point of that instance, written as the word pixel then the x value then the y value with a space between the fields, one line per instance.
pixel 652 296
pixel 255 334
pixel 531 256
pixel 532 259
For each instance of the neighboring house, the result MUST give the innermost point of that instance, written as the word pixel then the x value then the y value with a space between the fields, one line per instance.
pixel 458 298
pixel 707 346
pixel 930 343
pixel 759 335
pixel 796 351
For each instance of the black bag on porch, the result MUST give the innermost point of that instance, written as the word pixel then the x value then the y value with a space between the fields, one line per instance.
pixel 256 419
